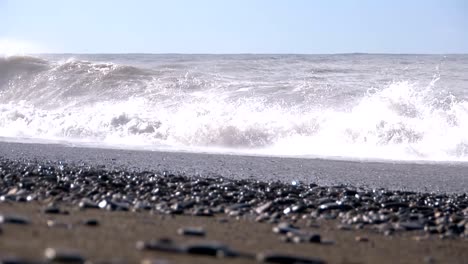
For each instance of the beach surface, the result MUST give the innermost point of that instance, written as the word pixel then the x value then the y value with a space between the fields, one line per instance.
pixel 393 175
pixel 116 237
pixel 46 185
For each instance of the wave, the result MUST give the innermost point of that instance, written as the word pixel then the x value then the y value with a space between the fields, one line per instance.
pixel 120 105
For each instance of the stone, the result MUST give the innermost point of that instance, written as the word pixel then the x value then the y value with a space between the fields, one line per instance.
pixel 334 206
pixel 264 207
pixel 154 261
pixel 410 226
pixel 164 245
pixel 310 238
pixel 191 231
pixel 284 228
pixel 55 223
pixel 287 259
pixel 91 222
pixel 63 256
pixel 361 239
pixel 86 203
pixel 210 249
pixel 14 260
pixel 13 219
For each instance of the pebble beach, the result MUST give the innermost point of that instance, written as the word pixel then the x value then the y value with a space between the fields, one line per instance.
pixel 75 209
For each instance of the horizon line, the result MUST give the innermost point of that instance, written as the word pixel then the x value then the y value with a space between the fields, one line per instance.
pixel 240 53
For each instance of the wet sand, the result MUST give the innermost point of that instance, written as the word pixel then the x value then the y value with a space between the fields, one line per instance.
pixel 116 236
pixel 422 177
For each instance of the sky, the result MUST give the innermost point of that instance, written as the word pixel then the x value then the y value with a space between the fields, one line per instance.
pixel 234 26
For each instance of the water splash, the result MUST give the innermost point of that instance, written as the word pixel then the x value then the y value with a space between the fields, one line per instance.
pixel 121 105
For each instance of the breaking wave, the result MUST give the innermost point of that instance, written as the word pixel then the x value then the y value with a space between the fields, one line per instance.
pixel 174 107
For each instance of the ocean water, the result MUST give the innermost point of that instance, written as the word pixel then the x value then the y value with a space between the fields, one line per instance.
pixel 351 106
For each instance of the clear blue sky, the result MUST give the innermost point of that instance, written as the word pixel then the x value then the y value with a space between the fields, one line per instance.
pixel 237 26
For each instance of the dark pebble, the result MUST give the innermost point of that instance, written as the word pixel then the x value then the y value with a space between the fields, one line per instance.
pixel 13 219
pixel 14 260
pixel 287 259
pixel 410 226
pixel 91 222
pixel 284 228
pixel 63 256
pixel 210 249
pixel 191 231
pixel 53 209
pixel 164 245
pixel 310 238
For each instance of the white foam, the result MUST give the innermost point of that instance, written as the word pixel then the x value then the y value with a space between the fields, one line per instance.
pixel 106 104
pixel 400 122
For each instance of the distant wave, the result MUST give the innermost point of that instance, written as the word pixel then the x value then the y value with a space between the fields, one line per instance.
pixel 103 103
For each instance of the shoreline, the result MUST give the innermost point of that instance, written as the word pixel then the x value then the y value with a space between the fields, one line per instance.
pixel 420 177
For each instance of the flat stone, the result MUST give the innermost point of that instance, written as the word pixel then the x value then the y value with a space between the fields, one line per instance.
pixel 334 206
pixel 191 231
pixel 284 228
pixel 395 205
pixel 53 209
pixel 154 261
pixel 361 239
pixel 164 245
pixel 88 204
pixel 262 208
pixel 55 223
pixel 63 256
pixel 91 222
pixel 287 259
pixel 14 260
pixel 409 226
pixel 310 238
pixel 210 249
pixel 13 219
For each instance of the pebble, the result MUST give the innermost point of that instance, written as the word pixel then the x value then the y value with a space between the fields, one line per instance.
pixel 263 207
pixel 14 260
pixel 154 261
pixel 287 259
pixel 410 226
pixel 53 209
pixel 165 245
pixel 284 228
pixel 191 231
pixel 429 260
pixel 86 203
pixel 63 256
pixel 311 238
pixel 55 223
pixel 210 249
pixel 334 206
pixel 361 239
pixel 91 222
pixel 13 219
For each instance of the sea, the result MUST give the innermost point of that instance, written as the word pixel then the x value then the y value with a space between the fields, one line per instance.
pixel 339 106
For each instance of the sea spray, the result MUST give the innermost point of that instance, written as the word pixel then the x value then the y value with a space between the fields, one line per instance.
pixel 352 106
